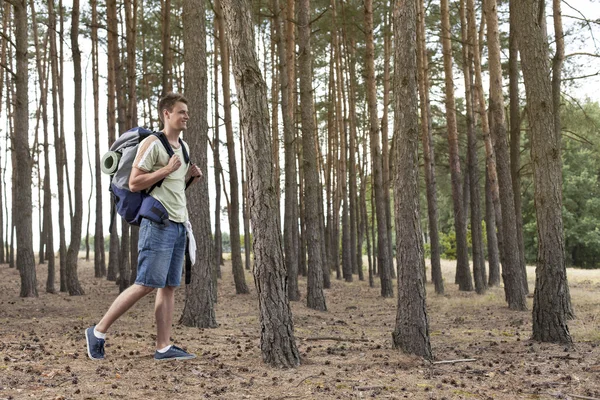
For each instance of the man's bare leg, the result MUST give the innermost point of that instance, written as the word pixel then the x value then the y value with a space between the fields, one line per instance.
pixel 163 311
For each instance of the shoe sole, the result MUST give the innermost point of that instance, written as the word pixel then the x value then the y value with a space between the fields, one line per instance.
pixel 87 345
pixel 174 358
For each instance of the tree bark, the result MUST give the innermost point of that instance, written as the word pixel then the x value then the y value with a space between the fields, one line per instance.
pixel 492 239
pixel 218 238
pixel 24 162
pixel 278 344
pixel 315 297
pixel 234 209
pixel 199 305
pixel 550 295
pixel 465 282
pixel 290 216
pixel 428 153
pixel 383 254
pixel 167 59
pixel 411 333
pixel 515 280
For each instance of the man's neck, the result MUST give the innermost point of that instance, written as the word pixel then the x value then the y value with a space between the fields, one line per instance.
pixel 172 135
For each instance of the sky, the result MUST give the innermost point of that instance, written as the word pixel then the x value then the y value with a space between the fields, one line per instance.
pixel 573 10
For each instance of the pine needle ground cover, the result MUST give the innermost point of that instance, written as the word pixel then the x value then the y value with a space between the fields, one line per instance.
pixel 346 352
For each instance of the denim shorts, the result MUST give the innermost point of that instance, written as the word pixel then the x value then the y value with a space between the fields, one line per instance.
pixel 161 250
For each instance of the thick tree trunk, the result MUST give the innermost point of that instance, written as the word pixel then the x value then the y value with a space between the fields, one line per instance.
pixel 73 284
pixel 515 280
pixel 24 162
pixel 428 153
pixel 383 254
pixel 315 297
pixel 278 344
pixel 199 305
pixel 465 281
pixel 550 295
pixel 411 333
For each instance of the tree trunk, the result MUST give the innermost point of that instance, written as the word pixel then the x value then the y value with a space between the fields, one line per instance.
pixel 315 297
pixel 234 209
pixel 515 131
pixel 290 217
pixel 99 254
pixel 411 333
pixel 73 284
pixel 278 344
pixel 167 80
pixel 492 239
pixel 24 162
pixel 113 64
pixel 218 238
pixel 383 254
pixel 428 153
pixel 479 272
pixel 550 295
pixel 515 280
pixel 199 305
pixel 465 282
pixel 3 52
pixel 352 197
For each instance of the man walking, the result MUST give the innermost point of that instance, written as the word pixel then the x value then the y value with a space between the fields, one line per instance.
pixel 161 247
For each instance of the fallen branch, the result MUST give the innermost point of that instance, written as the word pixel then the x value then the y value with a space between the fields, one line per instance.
pixel 455 361
pixel 336 339
pixel 310 376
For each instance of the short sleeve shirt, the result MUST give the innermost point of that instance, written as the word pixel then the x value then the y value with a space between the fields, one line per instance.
pixel 152 156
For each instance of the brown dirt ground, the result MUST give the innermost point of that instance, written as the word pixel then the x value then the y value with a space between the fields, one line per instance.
pixel 346 351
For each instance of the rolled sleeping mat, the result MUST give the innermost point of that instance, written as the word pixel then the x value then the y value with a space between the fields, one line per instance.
pixel 110 162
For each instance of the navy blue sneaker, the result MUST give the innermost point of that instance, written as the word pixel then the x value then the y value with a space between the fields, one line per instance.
pixel 95 346
pixel 174 353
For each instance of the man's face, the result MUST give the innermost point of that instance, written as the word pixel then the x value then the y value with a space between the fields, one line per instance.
pixel 177 119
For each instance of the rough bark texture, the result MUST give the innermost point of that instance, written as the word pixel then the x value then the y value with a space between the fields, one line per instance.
pixel 492 239
pixel 465 282
pixel 278 344
pixel 234 207
pixel 479 272
pixel 515 280
pixel 290 213
pixel 428 154
pixel 315 298
pixel 218 240
pixel 411 333
pixel 383 254
pixel 73 284
pixel 24 162
pixel 550 296
pixel 199 306
pixel 352 243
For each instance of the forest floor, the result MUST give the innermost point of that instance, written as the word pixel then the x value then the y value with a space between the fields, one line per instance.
pixel 346 352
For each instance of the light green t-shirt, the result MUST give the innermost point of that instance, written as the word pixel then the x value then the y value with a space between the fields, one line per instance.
pixel 152 156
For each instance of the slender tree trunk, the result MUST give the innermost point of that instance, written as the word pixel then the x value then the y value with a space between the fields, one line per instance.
pixel 382 233
pixel 515 280
pixel 113 65
pixel 550 296
pixel 315 297
pixel 234 210
pixel 99 253
pixel 411 333
pixel 290 218
pixel 353 224
pixel 465 281
pixel 199 305
pixel 24 162
pixel 479 272
pixel 245 213
pixel 428 153
pixel 492 240
pixel 3 52
pixel 218 239
pixel 278 344
pixel 515 130
pixel 167 59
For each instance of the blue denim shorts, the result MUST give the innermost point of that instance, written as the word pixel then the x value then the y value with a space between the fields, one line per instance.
pixel 161 251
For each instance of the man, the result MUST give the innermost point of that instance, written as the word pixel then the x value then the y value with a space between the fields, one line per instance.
pixel 161 247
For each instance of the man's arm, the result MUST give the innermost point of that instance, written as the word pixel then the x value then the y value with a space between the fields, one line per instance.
pixel 193 172
pixel 141 180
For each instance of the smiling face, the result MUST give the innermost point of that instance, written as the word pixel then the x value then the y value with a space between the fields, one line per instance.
pixel 177 118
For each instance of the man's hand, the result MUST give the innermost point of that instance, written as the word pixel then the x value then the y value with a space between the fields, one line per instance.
pixel 195 172
pixel 174 163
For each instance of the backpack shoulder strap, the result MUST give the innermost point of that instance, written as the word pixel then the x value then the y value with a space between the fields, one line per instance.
pixel 186 156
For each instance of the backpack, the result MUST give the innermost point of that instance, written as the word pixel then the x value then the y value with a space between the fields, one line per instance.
pixel 118 162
